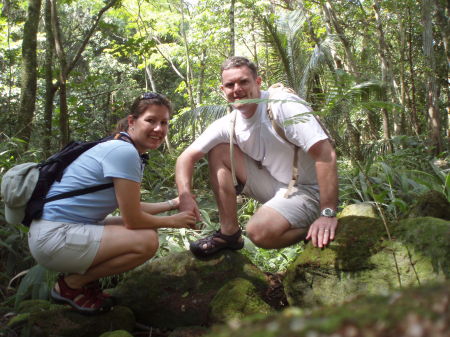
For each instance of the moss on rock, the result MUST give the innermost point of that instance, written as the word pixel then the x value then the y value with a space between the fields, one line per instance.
pixel 192 331
pixel 400 313
pixel 362 209
pixel 430 237
pixel 433 204
pixel 116 333
pixel 237 299
pixel 363 261
pixel 42 318
pixel 176 290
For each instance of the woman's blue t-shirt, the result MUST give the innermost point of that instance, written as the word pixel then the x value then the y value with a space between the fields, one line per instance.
pixel 96 166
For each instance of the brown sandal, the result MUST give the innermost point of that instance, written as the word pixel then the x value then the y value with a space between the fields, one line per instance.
pixel 88 300
pixel 208 246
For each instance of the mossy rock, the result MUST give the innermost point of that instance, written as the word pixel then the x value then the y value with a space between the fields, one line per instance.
pixel 362 260
pixel 428 237
pixel 422 311
pixel 39 318
pixel 433 204
pixel 237 299
pixel 116 333
pixel 176 290
pixel 362 209
pixel 191 331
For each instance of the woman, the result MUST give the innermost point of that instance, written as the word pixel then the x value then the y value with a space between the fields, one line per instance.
pixel 76 237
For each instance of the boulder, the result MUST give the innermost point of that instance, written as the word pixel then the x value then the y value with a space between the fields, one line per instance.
pixel 363 260
pixel 432 203
pixel 422 311
pixel 194 331
pixel 177 290
pixel 237 299
pixel 116 333
pixel 39 318
pixel 362 209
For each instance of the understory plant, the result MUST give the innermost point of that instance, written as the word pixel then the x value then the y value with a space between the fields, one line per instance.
pixel 394 180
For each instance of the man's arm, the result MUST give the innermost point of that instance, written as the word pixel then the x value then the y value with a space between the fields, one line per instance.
pixel 323 230
pixel 184 170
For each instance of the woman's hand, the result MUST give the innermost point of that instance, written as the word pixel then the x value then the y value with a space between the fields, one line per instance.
pixel 184 220
pixel 174 203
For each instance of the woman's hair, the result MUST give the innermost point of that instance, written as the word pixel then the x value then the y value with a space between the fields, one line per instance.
pixel 140 105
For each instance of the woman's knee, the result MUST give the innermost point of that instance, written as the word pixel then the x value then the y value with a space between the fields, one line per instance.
pixel 147 243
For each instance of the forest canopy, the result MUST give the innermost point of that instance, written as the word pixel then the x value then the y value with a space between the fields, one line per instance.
pixel 376 72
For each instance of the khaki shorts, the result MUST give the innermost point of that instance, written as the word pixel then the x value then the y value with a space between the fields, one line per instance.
pixel 64 247
pixel 300 209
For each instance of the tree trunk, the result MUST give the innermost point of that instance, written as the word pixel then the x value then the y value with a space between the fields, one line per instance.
pixel 62 79
pixel 66 67
pixel 414 117
pixel 149 71
pixel 50 89
pixel 201 79
pixel 29 72
pixel 442 18
pixel 331 16
pixel 386 74
pixel 432 86
pixel 403 84
pixel 232 36
pixel 189 74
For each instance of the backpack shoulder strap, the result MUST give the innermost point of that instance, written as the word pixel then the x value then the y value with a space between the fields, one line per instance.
pixel 280 131
pixel 232 136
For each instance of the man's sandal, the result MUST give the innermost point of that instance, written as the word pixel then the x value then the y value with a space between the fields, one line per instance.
pixel 89 300
pixel 212 244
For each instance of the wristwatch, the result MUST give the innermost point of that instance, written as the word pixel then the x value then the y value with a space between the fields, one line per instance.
pixel 328 212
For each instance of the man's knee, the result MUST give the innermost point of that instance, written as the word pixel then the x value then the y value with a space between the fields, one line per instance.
pixel 259 234
pixel 219 153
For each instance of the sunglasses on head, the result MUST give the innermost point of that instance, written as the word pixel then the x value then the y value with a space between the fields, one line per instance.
pixel 150 95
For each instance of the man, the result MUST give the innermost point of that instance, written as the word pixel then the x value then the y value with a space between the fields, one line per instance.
pixel 263 166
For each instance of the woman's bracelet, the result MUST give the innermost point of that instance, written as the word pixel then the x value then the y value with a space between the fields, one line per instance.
pixel 171 204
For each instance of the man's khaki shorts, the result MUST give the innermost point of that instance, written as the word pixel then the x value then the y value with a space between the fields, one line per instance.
pixel 300 209
pixel 64 247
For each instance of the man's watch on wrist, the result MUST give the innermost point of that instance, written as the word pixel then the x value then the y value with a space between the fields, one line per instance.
pixel 328 212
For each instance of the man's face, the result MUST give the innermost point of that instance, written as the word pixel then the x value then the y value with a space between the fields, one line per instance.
pixel 238 84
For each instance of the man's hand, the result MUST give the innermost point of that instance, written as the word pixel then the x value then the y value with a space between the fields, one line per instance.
pixel 189 204
pixel 322 231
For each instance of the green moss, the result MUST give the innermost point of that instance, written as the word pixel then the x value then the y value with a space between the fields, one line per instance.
pixel 181 287
pixel 362 209
pixel 431 204
pixel 376 316
pixel 116 333
pixel 237 299
pixel 31 306
pixel 362 261
pixel 64 322
pixel 430 237
pixel 18 320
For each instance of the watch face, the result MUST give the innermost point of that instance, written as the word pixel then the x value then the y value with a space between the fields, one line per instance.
pixel 328 212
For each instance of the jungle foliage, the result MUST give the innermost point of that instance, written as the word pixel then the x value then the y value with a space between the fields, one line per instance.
pixel 375 71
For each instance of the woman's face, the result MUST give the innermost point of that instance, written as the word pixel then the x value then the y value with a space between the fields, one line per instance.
pixel 150 128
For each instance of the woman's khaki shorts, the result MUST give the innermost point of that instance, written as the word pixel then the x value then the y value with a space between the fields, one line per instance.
pixel 64 247
pixel 300 209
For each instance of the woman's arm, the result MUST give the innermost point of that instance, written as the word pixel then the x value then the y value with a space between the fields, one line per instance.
pixel 135 217
pixel 158 207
